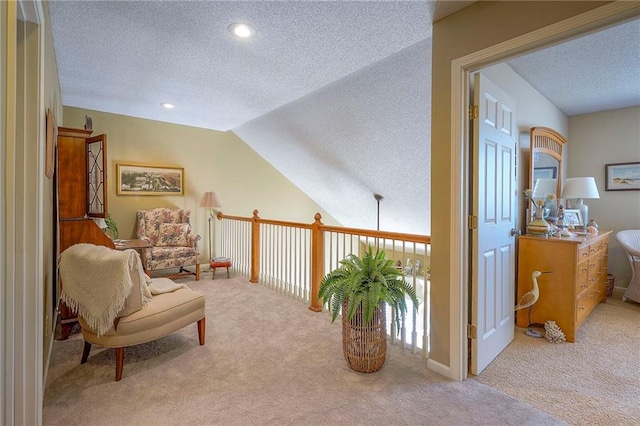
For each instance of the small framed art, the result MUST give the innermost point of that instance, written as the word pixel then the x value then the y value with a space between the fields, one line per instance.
pixel 622 176
pixel 572 217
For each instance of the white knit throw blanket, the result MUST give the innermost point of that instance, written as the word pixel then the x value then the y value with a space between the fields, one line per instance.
pixel 96 281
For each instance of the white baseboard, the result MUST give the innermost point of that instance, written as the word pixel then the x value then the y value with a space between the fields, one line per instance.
pixel 51 339
pixel 439 368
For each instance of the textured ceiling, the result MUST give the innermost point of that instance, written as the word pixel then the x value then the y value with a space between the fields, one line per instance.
pixel 128 57
pixel 335 95
pixel 600 71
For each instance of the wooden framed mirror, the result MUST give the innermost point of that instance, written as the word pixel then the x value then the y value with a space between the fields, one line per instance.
pixel 545 162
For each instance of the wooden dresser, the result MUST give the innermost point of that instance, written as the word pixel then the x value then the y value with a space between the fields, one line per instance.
pixel 575 286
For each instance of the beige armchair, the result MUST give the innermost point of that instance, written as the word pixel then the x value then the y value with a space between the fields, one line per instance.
pixel 173 244
pixel 118 305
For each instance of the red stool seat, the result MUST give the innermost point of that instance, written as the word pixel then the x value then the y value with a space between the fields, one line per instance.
pixel 219 263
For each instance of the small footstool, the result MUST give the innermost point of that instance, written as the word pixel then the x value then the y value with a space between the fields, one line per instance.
pixel 219 263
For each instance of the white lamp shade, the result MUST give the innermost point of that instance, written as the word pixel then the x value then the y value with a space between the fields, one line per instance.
pixel 545 187
pixel 210 199
pixel 580 187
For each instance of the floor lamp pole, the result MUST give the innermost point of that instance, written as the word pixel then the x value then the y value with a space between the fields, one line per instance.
pixel 210 238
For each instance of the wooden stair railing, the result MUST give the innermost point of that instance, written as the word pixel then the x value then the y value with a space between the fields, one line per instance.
pixel 318 249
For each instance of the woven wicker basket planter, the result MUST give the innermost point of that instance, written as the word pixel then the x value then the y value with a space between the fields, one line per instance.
pixel 365 345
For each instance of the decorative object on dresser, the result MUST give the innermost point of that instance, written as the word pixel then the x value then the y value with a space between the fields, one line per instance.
pixel 578 189
pixel 630 241
pixel 578 282
pixel 572 218
pixel 528 299
pixel 538 225
pixel 173 244
pixel 622 177
pixel 211 200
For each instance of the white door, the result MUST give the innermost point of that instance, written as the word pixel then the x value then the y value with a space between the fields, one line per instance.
pixel 494 203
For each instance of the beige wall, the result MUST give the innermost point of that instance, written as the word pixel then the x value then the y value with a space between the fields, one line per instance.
pixel 212 160
pixel 598 139
pixel 53 100
pixel 481 25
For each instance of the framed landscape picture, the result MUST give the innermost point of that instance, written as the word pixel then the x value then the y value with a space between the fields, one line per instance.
pixel 622 176
pixel 144 179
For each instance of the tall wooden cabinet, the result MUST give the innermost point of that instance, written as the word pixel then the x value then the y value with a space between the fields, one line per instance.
pixel 577 282
pixel 81 194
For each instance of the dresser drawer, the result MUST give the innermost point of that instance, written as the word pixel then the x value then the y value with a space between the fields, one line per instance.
pixel 595 268
pixel 585 303
pixel 583 253
pixel 582 281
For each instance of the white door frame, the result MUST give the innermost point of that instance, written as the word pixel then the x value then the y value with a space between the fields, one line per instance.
pixel 601 17
pixel 21 288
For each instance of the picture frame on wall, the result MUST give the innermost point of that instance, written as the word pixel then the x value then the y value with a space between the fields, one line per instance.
pixel 544 173
pixel 49 162
pixel 146 179
pixel 572 217
pixel 622 176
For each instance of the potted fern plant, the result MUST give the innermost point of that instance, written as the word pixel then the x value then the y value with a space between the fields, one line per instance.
pixel 361 288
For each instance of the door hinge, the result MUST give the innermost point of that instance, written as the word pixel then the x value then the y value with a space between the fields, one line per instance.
pixel 471 331
pixel 473 112
pixel 473 222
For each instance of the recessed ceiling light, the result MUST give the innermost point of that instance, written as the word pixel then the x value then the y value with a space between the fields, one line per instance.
pixel 242 30
pixel 167 105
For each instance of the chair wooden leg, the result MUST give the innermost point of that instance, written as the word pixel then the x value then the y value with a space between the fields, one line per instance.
pixel 197 271
pixel 119 363
pixel 201 331
pixel 85 352
pixel 227 272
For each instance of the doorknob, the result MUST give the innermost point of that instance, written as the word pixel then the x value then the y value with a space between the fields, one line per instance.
pixel 515 232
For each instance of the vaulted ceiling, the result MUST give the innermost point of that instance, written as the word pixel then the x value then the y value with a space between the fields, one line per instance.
pixel 335 95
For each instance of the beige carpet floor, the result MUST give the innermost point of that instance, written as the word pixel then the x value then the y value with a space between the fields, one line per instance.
pixel 268 360
pixel 594 381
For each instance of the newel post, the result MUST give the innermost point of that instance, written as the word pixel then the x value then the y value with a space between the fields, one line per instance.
pixel 317 262
pixel 255 247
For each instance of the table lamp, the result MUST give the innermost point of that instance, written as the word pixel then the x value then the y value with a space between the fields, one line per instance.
pixel 578 189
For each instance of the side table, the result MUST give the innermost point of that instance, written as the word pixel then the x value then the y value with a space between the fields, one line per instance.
pixel 131 244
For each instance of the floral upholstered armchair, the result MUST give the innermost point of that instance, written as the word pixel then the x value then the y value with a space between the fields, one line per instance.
pixel 173 244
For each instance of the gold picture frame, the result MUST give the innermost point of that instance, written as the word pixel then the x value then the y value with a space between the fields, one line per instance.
pixel 49 162
pixel 147 179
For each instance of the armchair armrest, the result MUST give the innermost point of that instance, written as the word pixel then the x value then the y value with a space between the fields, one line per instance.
pixel 192 240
